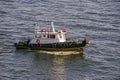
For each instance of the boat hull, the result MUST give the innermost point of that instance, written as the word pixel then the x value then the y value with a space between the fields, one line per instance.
pixel 59 49
pixel 64 46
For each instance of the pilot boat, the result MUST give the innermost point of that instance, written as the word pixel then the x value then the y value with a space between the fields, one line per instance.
pixel 50 39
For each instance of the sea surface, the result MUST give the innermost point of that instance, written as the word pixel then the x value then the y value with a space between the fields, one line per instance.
pixel 97 20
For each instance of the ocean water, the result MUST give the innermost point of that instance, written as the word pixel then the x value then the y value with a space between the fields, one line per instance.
pixel 97 20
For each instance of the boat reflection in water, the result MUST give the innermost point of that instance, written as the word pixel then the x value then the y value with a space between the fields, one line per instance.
pixel 41 66
pixel 59 68
pixel 56 66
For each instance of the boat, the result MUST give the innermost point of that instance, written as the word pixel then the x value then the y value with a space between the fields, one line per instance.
pixel 50 39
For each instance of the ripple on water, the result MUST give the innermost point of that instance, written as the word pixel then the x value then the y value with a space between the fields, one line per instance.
pixel 93 19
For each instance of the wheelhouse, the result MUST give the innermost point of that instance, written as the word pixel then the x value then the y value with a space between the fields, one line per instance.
pixel 48 35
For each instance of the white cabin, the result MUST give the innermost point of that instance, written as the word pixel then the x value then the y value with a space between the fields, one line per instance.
pixel 48 35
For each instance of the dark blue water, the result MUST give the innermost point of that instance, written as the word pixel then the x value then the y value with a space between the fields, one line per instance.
pixel 98 20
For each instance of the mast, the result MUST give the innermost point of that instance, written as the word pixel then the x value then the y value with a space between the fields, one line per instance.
pixel 53 27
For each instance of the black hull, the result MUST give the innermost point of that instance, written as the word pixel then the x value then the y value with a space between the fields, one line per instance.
pixel 65 46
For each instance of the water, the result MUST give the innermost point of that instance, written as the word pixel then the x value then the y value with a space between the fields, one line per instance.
pixel 98 20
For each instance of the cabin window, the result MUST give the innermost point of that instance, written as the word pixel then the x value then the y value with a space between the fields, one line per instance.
pixel 52 36
pixel 60 35
pixel 43 35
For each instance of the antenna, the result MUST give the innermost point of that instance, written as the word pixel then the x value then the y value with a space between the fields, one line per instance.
pixel 36 27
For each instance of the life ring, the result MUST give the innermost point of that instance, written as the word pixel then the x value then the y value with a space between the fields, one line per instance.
pixel 38 40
